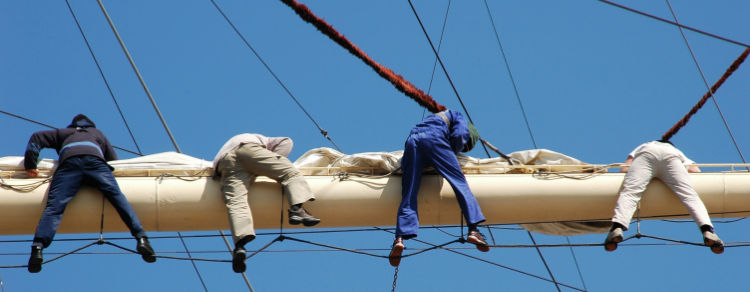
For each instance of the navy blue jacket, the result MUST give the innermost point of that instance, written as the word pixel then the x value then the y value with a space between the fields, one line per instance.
pixel 457 135
pixel 79 138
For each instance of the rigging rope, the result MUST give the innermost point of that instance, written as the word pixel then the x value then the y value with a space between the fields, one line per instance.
pixel 736 64
pixel 103 78
pixel 440 44
pixel 398 81
pixel 676 24
pixel 51 127
pixel 710 90
pixel 322 131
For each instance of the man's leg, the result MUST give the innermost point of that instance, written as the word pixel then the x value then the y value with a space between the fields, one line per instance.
pixel 441 157
pixel 234 183
pixel 676 177
pixel 64 186
pixel 98 175
pixel 641 171
pixel 407 220
pixel 262 161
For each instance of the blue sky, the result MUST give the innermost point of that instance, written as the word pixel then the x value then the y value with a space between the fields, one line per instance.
pixel 595 80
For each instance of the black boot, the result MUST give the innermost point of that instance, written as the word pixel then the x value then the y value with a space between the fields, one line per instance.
pixel 144 248
pixel 302 216
pixel 238 260
pixel 36 259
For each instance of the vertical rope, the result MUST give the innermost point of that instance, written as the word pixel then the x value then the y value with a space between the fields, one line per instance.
pixel 440 44
pixel 398 81
pixel 544 261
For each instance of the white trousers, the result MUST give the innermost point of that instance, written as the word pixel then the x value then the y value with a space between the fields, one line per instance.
pixel 658 161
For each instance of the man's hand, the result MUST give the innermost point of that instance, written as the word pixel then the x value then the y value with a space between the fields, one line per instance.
pixel 32 172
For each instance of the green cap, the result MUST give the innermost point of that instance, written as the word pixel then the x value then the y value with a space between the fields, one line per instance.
pixel 474 137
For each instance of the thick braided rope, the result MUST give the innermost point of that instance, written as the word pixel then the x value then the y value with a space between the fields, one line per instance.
pixel 398 81
pixel 668 135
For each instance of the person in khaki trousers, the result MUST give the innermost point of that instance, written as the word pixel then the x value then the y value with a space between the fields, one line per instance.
pixel 238 163
pixel 659 159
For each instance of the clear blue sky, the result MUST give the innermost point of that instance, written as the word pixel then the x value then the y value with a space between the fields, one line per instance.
pixel 595 80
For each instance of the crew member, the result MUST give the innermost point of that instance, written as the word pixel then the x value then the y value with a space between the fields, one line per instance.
pixel 435 142
pixel 84 152
pixel 659 159
pixel 237 164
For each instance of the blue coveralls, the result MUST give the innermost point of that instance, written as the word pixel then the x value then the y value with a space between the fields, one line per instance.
pixel 432 143
pixel 83 150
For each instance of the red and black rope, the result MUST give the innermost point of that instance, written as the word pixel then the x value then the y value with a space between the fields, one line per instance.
pixel 398 81
pixel 736 64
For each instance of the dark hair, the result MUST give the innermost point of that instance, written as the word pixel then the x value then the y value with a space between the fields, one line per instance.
pixel 77 121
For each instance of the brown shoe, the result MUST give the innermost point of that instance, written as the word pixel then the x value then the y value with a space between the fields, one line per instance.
pixel 712 240
pixel 476 238
pixel 396 250
pixel 302 216
pixel 613 238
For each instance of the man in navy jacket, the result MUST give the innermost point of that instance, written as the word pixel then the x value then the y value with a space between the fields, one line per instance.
pixel 84 152
pixel 435 142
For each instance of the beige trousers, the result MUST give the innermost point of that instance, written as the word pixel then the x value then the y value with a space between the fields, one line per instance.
pixel 238 170
pixel 662 162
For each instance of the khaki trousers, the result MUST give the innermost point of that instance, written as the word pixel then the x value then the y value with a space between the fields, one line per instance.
pixel 238 170
pixel 662 162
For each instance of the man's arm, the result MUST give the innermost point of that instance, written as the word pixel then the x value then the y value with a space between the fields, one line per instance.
pixel 281 145
pixel 37 142
pixel 627 162
pixel 694 168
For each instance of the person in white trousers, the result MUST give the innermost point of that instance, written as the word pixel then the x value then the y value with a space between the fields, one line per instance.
pixel 659 159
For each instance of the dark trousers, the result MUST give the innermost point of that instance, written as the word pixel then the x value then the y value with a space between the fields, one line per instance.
pixel 74 171
pixel 430 149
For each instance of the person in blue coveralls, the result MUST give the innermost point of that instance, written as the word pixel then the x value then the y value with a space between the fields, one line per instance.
pixel 84 152
pixel 435 142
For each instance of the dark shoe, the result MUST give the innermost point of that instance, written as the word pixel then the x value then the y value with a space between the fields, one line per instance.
pixel 144 248
pixel 302 216
pixel 396 250
pixel 712 240
pixel 613 238
pixel 36 259
pixel 238 260
pixel 477 239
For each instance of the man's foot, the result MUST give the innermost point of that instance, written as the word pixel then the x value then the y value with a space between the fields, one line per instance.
pixel 36 259
pixel 144 248
pixel 238 260
pixel 396 250
pixel 476 238
pixel 302 216
pixel 613 238
pixel 712 240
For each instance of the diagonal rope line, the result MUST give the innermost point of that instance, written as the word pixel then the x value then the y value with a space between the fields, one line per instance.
pixel 440 44
pixel 192 262
pixel 544 261
pixel 512 80
pixel 138 74
pixel 575 260
pixel 492 263
pixel 103 77
pixel 710 90
pixel 51 127
pixel 244 276
pixel 322 131
pixel 445 71
pixel 676 24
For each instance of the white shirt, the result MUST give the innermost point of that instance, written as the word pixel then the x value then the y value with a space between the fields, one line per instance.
pixel 683 158
pixel 269 142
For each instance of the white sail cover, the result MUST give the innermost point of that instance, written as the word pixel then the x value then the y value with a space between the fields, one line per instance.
pixel 371 163
pixel 380 163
